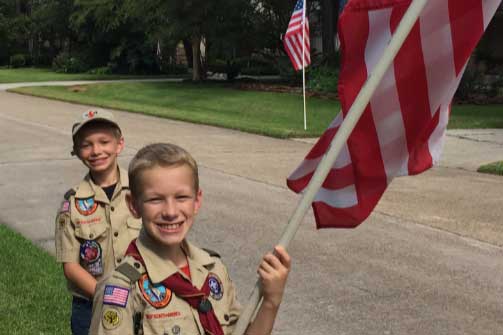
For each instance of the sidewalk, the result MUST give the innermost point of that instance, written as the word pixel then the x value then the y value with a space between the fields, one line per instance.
pixel 4 87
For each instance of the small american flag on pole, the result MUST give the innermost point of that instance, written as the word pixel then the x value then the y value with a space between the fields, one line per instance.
pixel 296 39
pixel 115 295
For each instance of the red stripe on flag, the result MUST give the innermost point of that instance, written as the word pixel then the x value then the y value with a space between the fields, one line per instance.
pixel 467 25
pixel 409 63
pixel 340 178
pixel 323 142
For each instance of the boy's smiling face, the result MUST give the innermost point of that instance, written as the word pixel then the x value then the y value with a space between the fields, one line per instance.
pixel 168 203
pixel 98 148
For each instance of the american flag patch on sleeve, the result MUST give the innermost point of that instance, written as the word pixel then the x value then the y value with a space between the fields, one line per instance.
pixel 115 295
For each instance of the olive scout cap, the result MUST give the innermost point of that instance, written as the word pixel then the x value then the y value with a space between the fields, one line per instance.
pixel 93 115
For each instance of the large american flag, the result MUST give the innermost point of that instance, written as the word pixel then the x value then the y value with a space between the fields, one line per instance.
pixel 293 39
pixel 402 129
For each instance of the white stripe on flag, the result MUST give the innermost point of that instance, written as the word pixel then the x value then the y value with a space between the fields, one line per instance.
pixel 341 198
pixel 438 52
pixel 489 7
pixel 385 103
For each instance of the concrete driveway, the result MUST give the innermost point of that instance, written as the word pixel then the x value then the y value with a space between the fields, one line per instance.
pixel 427 261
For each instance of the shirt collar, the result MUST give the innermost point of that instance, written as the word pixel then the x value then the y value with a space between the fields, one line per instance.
pixel 87 188
pixel 159 269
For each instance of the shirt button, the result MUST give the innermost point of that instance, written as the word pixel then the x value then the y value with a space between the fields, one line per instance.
pixel 119 260
pixel 226 317
pixel 112 208
pixel 116 234
pixel 91 235
pixel 137 265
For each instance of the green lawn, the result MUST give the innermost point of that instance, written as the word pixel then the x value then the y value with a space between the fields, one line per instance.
pixel 273 114
pixel 492 168
pixel 33 295
pixel 38 74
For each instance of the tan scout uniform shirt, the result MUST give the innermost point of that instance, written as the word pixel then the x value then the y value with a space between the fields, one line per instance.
pixel 88 215
pixel 158 308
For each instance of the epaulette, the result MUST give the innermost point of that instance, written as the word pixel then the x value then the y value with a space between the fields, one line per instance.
pixel 212 253
pixel 133 273
pixel 69 193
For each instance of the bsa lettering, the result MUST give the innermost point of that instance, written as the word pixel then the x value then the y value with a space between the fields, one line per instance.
pixel 162 315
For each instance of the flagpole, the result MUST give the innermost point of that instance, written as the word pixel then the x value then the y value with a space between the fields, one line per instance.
pixel 347 126
pixel 304 60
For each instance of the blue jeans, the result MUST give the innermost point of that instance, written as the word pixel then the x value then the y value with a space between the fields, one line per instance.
pixel 82 310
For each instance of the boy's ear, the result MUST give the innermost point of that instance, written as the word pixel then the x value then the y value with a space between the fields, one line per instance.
pixel 131 204
pixel 199 201
pixel 120 145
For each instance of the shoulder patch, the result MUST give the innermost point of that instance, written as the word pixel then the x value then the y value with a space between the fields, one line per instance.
pixel 131 271
pixel 69 193
pixel 212 253
pixel 115 295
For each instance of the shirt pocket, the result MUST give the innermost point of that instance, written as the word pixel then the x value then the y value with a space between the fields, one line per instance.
pixel 172 323
pixel 91 231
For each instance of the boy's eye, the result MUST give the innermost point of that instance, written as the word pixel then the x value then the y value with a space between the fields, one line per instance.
pixel 153 200
pixel 183 197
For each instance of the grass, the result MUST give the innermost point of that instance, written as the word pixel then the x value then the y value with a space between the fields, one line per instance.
pixel 33 295
pixel 40 74
pixel 272 114
pixel 476 116
pixel 492 168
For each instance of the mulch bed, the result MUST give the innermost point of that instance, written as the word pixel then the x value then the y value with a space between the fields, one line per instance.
pixel 279 88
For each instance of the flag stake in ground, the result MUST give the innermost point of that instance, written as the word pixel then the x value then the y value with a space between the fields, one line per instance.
pixel 297 44
pixel 356 110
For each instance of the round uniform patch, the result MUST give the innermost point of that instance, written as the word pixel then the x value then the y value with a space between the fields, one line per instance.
pixel 112 318
pixel 90 256
pixel 156 295
pixel 86 206
pixel 216 288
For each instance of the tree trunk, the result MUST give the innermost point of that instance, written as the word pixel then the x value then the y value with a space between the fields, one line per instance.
pixel 187 46
pixel 329 10
pixel 196 56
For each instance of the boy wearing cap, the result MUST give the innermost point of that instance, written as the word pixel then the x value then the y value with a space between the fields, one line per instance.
pixel 94 225
pixel 166 285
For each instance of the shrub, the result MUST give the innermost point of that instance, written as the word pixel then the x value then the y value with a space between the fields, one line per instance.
pixel 229 67
pixel 323 79
pixel 66 63
pixel 17 60
pixel 101 70
pixel 175 69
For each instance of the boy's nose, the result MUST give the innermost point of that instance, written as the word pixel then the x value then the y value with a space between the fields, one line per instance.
pixel 169 210
pixel 96 149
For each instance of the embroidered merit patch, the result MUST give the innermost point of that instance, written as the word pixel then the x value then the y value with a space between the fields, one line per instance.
pixel 115 295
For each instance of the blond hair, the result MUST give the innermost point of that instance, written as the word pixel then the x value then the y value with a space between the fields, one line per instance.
pixel 163 155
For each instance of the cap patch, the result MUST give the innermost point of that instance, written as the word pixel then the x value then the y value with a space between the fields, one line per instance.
pixel 90 114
